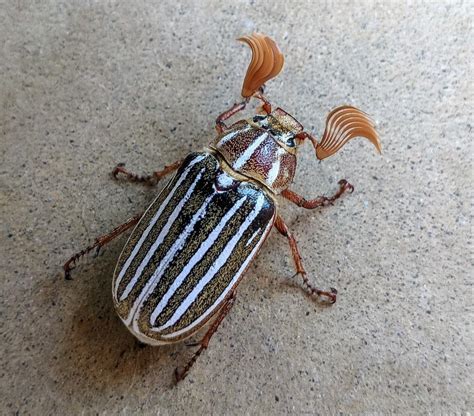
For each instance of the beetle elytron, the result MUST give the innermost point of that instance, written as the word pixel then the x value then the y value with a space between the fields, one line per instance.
pixel 187 253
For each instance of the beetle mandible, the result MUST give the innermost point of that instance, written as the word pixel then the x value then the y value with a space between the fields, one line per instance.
pixel 181 265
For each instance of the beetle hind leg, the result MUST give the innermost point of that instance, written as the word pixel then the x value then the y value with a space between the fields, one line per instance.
pixel 152 179
pixel 330 295
pixel 98 243
pixel 204 343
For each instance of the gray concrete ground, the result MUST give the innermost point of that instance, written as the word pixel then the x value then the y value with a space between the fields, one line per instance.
pixel 87 84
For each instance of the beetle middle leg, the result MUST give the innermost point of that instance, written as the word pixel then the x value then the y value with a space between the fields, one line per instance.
pixel 283 229
pixel 204 343
pixel 152 179
pixel 321 201
pixel 100 242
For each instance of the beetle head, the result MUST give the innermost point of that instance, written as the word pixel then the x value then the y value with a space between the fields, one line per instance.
pixel 282 127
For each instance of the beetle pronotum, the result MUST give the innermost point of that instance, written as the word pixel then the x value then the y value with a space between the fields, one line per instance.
pixel 187 253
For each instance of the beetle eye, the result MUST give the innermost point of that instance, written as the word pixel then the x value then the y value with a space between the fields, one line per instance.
pixel 290 142
pixel 261 121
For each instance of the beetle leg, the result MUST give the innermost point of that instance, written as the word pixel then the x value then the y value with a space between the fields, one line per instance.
pixel 321 201
pixel 152 179
pixel 99 242
pixel 283 229
pixel 221 127
pixel 204 343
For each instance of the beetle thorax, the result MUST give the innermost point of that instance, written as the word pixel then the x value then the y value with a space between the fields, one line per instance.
pixel 262 148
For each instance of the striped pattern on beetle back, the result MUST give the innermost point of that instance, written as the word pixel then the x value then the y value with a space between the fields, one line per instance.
pixel 189 250
pixel 255 153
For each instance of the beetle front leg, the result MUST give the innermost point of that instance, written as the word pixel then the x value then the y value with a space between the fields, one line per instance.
pixel 100 242
pixel 221 127
pixel 283 229
pixel 152 179
pixel 204 343
pixel 321 201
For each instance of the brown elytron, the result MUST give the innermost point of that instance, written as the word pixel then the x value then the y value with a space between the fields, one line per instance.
pixel 267 62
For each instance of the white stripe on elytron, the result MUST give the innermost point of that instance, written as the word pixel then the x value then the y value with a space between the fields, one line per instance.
pixel 253 236
pixel 231 135
pixel 275 170
pixel 156 277
pixel 200 253
pixel 215 267
pixel 161 237
pixel 152 223
pixel 221 297
pixel 244 157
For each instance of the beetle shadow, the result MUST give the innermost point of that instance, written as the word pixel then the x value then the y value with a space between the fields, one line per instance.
pixel 97 352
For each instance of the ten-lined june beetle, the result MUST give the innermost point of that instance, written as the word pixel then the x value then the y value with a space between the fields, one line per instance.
pixel 183 261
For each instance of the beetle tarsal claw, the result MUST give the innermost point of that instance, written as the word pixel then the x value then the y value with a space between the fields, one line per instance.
pixel 117 169
pixel 266 63
pixel 346 186
pixel 328 297
pixel 343 124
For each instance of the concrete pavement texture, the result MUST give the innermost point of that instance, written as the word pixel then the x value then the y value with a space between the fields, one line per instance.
pixel 87 84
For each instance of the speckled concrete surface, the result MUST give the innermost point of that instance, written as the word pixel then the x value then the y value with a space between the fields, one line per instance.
pixel 87 84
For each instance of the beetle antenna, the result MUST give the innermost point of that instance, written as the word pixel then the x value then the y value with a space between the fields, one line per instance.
pixel 266 63
pixel 343 124
pixel 266 106
pixel 305 135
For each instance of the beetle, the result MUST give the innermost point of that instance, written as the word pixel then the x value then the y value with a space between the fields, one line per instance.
pixel 188 251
